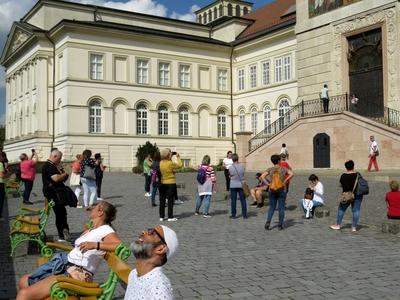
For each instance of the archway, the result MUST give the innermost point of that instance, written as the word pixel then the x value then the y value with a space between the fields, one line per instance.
pixel 322 151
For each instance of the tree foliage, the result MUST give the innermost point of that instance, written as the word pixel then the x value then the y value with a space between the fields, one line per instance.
pixel 143 150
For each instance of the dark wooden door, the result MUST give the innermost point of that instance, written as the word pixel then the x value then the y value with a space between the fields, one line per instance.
pixel 366 72
pixel 322 151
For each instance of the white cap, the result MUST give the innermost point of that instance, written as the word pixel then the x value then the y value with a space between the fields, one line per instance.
pixel 172 241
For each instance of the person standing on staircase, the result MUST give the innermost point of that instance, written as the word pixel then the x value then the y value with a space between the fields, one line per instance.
pixel 373 153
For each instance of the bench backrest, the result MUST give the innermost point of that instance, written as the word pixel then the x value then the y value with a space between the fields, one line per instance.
pixel 118 269
pixel 44 213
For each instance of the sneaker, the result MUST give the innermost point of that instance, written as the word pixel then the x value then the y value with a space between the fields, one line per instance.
pixel 335 227
pixel 206 216
pixel 254 203
pixel 67 235
pixel 147 195
pixel 196 213
pixel 61 240
pixel 267 226
pixel 154 205
pixel 259 205
pixel 161 219
pixel 99 199
pixel 172 219
pixel 232 217
pixel 79 206
pixel 353 229
pixel 177 201
pixel 280 227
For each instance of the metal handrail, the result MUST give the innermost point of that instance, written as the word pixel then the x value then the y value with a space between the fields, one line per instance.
pixel 338 103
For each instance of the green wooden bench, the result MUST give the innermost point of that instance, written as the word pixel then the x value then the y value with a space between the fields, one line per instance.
pixel 13 187
pixel 31 228
pixel 66 288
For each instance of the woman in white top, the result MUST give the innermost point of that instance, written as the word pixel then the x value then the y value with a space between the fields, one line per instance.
pixel 227 162
pixel 318 188
pixel 82 261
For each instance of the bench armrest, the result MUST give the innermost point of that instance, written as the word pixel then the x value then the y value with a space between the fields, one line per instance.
pixel 32 210
pixel 24 220
pixel 59 246
pixel 72 281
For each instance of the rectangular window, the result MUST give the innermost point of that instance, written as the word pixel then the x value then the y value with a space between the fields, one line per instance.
pixel 253 76
pixel 222 80
pixel 163 122
pixel 142 75
pixel 164 74
pixel 184 123
pixel 287 67
pixel 242 121
pixel 278 70
pixel 241 79
pixel 266 69
pixel 96 66
pixel 221 125
pixel 254 116
pixel 184 76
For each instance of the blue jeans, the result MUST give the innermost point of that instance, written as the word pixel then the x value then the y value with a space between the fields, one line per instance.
pixel 275 198
pixel 355 208
pixel 234 194
pixel 200 199
pixel 89 185
pixel 154 193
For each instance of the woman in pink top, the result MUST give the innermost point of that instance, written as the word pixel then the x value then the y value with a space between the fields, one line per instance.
pixel 28 172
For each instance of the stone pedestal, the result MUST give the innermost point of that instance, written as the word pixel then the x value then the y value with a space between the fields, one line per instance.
pixel 242 144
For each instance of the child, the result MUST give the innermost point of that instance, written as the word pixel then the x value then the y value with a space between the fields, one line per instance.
pixel 307 202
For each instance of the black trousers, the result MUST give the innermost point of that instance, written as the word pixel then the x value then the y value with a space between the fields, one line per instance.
pixel 325 103
pixel 2 198
pixel 99 180
pixel 167 191
pixel 227 179
pixel 28 185
pixel 61 219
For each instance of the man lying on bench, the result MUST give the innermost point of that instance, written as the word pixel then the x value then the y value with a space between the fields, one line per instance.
pixel 81 262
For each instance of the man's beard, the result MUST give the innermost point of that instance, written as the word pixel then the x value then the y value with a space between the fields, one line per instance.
pixel 143 250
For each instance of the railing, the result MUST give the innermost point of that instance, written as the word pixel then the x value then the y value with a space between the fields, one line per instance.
pixel 314 107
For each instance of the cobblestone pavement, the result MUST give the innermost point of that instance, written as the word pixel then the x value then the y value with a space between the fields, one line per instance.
pixel 220 258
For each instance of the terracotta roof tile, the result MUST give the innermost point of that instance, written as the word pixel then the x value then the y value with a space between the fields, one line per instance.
pixel 269 15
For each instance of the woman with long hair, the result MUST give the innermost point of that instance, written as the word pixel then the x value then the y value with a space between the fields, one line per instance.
pixel 88 178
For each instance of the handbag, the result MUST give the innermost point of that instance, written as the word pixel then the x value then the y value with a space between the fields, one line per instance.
pixel 348 197
pixel 245 186
pixel 89 173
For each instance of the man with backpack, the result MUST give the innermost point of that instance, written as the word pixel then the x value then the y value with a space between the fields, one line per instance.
pixel 277 178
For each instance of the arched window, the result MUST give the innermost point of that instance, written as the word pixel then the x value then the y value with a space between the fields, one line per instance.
pixel 221 123
pixel 184 121
pixel 163 120
pixel 205 17
pixel 215 13
pixel 245 10
pixel 237 11
pixel 141 119
pixel 221 10
pixel 254 115
pixel 95 113
pixel 242 120
pixel 200 19
pixel 284 117
pixel 209 16
pixel 267 119
pixel 229 9
pixel 21 128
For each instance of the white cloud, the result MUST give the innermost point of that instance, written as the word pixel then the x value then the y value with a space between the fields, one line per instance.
pixel 190 16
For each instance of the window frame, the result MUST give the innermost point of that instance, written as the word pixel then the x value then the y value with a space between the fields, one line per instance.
pixel 221 123
pixel 242 120
pixel 186 73
pixel 103 64
pixel 139 69
pixel 278 69
pixel 95 116
pixel 222 80
pixel 183 117
pixel 142 119
pixel 253 76
pixel 267 120
pixel 241 79
pixel 287 68
pixel 254 120
pixel 160 79
pixel 266 75
pixel 163 119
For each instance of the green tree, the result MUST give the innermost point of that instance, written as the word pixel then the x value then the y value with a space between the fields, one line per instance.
pixel 141 154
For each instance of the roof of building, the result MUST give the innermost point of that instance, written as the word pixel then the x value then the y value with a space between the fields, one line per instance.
pixel 270 15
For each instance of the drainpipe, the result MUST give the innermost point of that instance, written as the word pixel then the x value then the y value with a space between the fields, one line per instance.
pixel 231 95
pixel 54 89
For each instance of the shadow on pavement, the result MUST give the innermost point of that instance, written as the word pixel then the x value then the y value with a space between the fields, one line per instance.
pixel 7 278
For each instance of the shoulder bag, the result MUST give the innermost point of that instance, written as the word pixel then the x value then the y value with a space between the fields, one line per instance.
pixel 245 186
pixel 348 197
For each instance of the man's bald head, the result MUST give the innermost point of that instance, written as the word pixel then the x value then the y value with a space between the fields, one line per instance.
pixel 55 156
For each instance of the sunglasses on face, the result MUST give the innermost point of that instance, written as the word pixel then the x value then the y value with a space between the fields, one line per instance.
pixel 152 231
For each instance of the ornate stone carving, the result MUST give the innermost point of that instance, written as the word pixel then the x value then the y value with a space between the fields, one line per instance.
pixel 387 17
pixel 19 38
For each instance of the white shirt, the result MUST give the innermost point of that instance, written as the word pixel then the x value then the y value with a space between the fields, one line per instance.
pixel 373 147
pixel 151 286
pixel 227 162
pixel 319 192
pixel 324 93
pixel 90 259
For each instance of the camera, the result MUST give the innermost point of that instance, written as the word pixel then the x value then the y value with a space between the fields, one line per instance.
pixel 174 153
pixel 33 150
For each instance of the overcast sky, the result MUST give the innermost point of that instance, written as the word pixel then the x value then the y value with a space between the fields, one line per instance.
pixel 13 10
